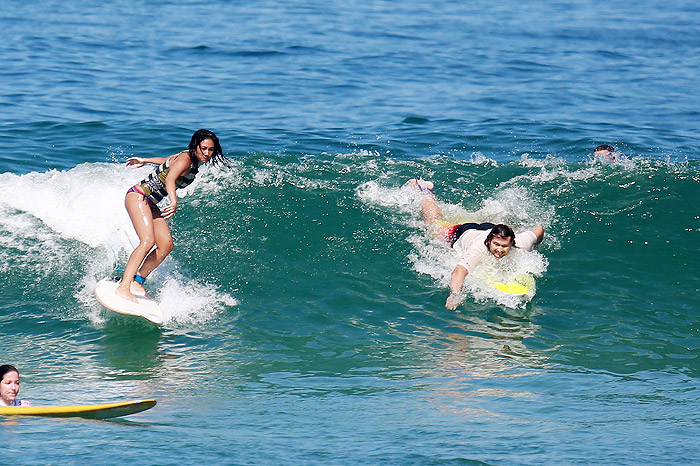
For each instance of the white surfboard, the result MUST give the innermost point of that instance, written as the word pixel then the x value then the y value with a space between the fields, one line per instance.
pixel 144 307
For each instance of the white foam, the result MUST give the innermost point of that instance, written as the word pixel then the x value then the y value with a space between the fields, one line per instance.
pixel 434 258
pixel 185 300
pixel 477 158
pixel 513 205
pixel 85 203
pixel 405 199
pixel 42 215
pixel 504 270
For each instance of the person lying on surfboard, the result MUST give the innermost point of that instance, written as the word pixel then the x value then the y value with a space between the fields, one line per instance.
pixel 471 240
pixel 176 171
pixel 9 387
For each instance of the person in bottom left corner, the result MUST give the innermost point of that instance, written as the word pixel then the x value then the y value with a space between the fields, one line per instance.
pixel 9 387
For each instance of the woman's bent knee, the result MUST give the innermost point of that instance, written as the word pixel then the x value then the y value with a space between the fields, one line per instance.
pixel 166 248
pixel 147 244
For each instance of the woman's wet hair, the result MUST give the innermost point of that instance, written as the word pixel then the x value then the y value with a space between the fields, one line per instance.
pixel 201 135
pixel 5 368
pixel 504 231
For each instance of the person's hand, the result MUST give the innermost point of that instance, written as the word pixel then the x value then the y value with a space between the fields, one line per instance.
pixel 169 210
pixel 135 161
pixel 453 300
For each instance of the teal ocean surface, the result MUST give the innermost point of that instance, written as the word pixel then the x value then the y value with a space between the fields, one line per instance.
pixel 304 300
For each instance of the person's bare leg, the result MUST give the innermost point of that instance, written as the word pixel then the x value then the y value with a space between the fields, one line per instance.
pixel 429 207
pixel 164 246
pixel 142 218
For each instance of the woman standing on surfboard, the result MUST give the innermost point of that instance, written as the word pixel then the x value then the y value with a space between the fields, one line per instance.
pixel 176 171
pixel 471 240
pixel 9 387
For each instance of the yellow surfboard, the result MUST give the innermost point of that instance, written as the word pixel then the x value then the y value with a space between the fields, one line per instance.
pixel 98 411
pixel 521 285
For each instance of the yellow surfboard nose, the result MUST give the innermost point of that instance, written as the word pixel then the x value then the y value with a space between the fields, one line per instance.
pixel 514 288
pixel 522 284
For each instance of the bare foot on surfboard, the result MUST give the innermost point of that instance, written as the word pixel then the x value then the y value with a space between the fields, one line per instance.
pixel 122 292
pixel 138 289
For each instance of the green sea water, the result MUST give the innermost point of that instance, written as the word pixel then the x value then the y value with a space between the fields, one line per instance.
pixel 305 296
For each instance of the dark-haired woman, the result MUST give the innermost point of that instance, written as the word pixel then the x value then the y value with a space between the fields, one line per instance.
pixel 9 387
pixel 176 171
pixel 472 241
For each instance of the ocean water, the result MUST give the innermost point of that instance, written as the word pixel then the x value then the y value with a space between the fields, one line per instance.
pixel 304 300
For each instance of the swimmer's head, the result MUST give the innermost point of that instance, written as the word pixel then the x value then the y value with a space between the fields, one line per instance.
pixel 499 240
pixel 605 152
